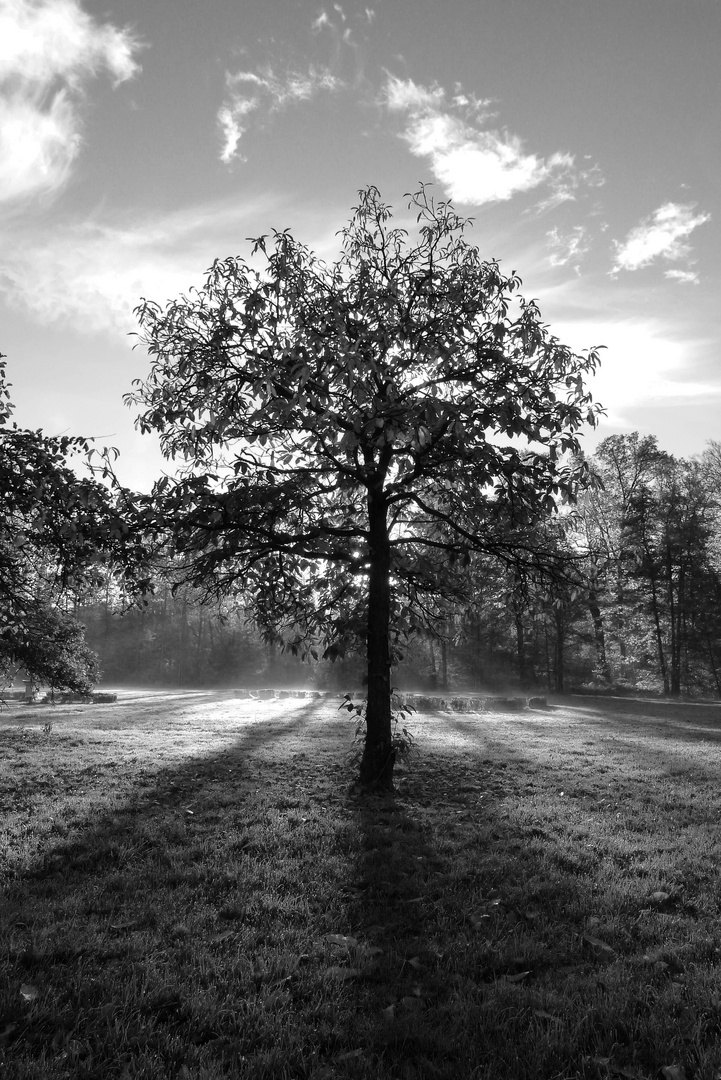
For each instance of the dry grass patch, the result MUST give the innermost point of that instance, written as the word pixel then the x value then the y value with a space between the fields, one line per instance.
pixel 193 888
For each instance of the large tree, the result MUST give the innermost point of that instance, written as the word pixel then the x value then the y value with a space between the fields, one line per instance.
pixel 352 433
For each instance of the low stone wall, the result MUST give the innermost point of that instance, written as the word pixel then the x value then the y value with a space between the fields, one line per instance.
pixel 472 704
pixel 59 697
pixel 420 702
pixel 270 695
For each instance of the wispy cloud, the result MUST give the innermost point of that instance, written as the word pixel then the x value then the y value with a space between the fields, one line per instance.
pixel 643 364
pixel 662 235
pixel 250 92
pixel 475 162
pixel 49 51
pixel 569 248
pixel 92 274
pixel 686 277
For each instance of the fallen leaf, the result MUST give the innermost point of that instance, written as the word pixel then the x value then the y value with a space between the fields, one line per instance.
pixel 323 1072
pixel 601 948
pixel 29 992
pixel 275 1000
pixel 338 972
pixel 341 939
pixel 546 1016
pixel 411 1003
pixel 349 1055
pixel 221 937
pixel 415 962
pixel 673 1072
pixel 518 977
pixel 372 950
pixel 389 1013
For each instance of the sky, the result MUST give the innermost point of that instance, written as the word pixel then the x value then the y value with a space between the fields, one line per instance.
pixel 141 140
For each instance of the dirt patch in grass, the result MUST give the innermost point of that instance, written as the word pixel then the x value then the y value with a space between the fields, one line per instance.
pixel 193 887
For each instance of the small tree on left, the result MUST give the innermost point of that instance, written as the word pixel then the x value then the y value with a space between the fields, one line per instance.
pixel 60 532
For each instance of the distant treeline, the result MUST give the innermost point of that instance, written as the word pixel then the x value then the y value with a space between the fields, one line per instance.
pixel 639 608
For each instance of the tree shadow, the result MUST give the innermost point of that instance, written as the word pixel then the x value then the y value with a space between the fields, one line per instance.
pixel 249 912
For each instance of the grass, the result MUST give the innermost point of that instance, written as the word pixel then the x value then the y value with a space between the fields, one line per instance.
pixel 193 888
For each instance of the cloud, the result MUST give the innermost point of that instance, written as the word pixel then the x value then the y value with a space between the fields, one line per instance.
pixel 686 277
pixel 645 362
pixel 570 248
pixel 92 274
pixel 49 51
pixel 662 235
pixel 250 91
pixel 475 163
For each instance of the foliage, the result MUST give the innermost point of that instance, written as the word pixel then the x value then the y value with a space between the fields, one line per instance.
pixel 50 646
pixel 353 434
pixel 652 580
pixel 59 532
pixel 403 741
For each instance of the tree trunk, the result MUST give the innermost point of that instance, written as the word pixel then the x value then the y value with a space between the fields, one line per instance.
pixel 520 644
pixel 376 768
pixel 714 667
pixel 434 672
pixel 559 651
pixel 659 637
pixel 599 634
pixel 674 610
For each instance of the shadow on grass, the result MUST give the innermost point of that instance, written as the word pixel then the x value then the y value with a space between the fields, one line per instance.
pixel 118 919
pixel 248 913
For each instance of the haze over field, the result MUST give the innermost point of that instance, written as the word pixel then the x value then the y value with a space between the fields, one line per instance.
pixel 140 141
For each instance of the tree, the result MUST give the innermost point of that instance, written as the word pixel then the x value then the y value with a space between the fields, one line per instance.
pixel 653 575
pixel 353 433
pixel 56 530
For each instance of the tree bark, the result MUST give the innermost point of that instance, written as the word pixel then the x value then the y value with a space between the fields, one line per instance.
pixel 520 644
pixel 376 768
pixel 559 651
pixel 434 672
pixel 599 636
pixel 659 637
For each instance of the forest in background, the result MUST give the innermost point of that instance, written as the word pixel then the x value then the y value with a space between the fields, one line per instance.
pixel 638 608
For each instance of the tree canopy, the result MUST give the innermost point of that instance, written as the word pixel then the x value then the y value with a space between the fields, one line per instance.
pixel 351 434
pixel 57 529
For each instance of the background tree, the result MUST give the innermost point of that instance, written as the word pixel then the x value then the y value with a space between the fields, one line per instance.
pixel 56 530
pixel 649 534
pixel 353 433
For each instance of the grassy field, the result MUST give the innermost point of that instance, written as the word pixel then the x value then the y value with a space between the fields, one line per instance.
pixel 193 888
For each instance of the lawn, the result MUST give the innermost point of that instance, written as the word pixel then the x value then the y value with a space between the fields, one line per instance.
pixel 192 887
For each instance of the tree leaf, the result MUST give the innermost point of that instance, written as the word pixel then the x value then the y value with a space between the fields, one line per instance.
pixel 600 948
pixel 342 940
